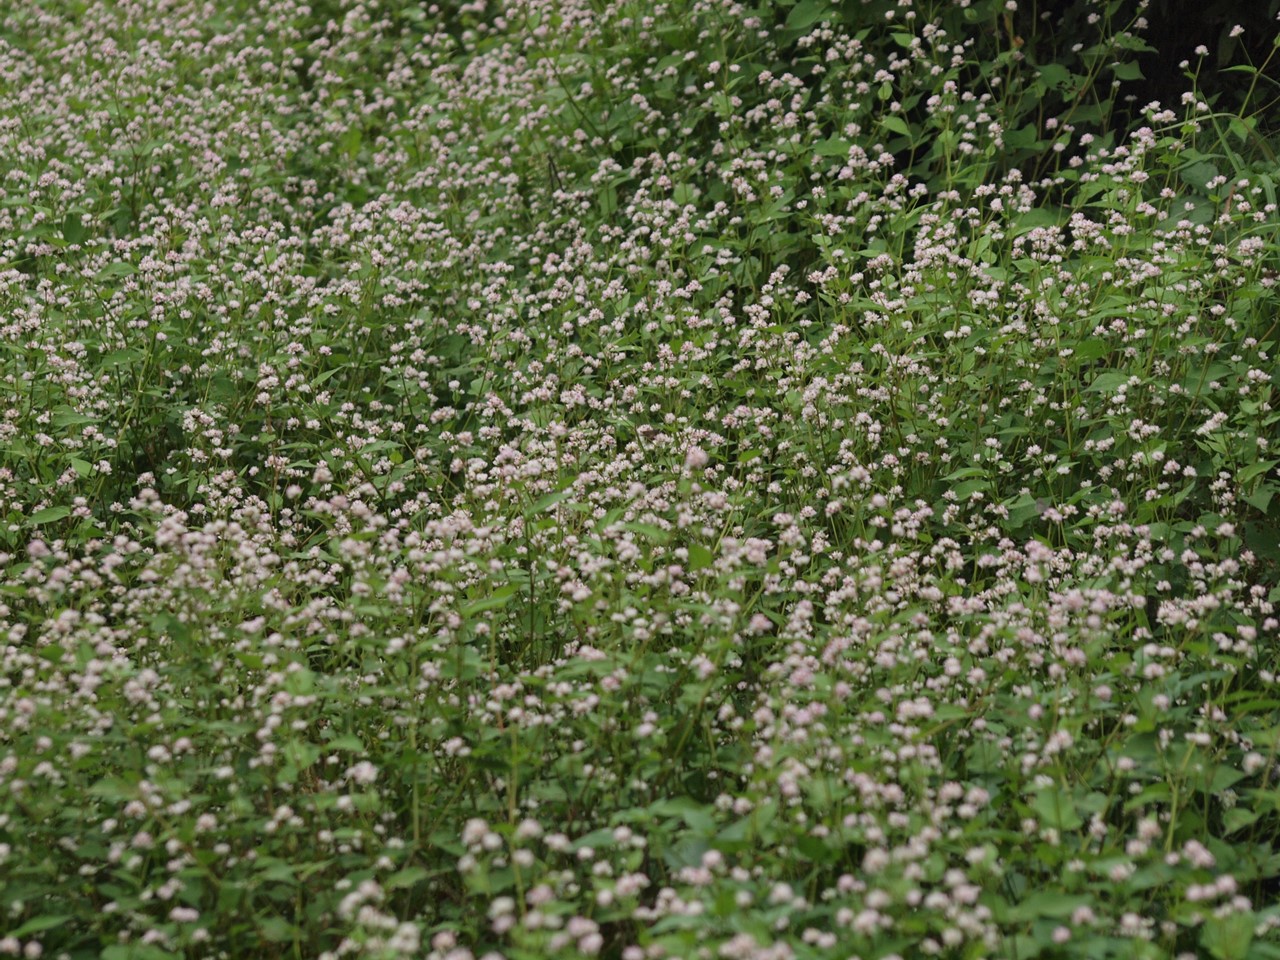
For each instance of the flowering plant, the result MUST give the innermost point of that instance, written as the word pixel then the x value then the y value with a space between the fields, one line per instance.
pixel 688 479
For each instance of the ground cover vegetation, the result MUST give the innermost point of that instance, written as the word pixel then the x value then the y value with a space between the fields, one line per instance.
pixel 694 479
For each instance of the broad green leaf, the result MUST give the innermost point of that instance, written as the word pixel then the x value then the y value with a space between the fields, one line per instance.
pixel 39 924
pixel 895 124
pixel 1056 808
pixel 49 515
pixel 73 228
pixel 1237 818
pixel 699 557
pixel 278 930
pixel 1229 937
pixel 499 598
pixel 1046 903
pixel 1108 382
pixel 406 878
pixel 806 13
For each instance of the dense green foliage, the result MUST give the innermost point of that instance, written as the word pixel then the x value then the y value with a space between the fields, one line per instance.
pixel 700 479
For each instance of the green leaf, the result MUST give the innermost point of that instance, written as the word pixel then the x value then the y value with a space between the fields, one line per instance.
pixel 1037 216
pixel 49 515
pixel 1256 470
pixel 699 557
pixel 1055 76
pixel 684 194
pixel 66 417
pixel 1108 382
pixel 1048 904
pixel 1224 778
pixel 697 816
pixel 166 624
pixel 1198 174
pixel 1092 349
pixel 1237 818
pixel 279 872
pixel 1023 137
pixel 278 930
pixel 1260 499
pixel 406 878
pixel 834 147
pixel 114 788
pixel 73 228
pixel 1126 71
pixel 121 357
pixel 499 598
pixel 550 500
pixel 597 840
pixel 351 140
pixel 326 374
pixel 136 951
pixel 349 742
pixel 116 269
pixel 1056 808
pixel 895 124
pixel 37 924
pixel 1229 937
pixel 806 13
